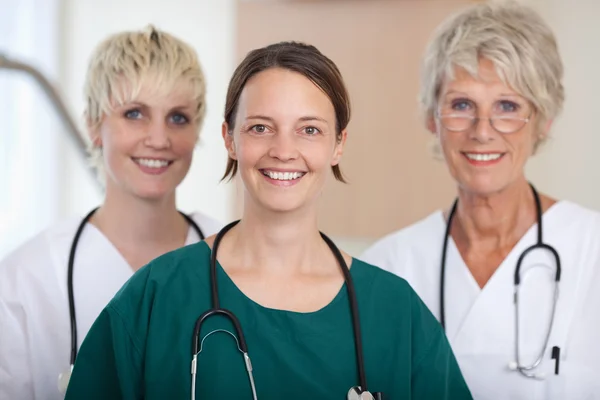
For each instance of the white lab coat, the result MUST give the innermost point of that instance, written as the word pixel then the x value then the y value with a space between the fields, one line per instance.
pixel 480 323
pixel 35 338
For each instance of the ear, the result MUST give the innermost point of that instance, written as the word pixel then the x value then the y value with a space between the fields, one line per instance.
pixel 339 148
pixel 228 139
pixel 431 124
pixel 546 129
pixel 94 132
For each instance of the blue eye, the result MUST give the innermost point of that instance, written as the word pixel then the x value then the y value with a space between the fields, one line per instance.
pixel 508 106
pixel 133 114
pixel 461 105
pixel 179 119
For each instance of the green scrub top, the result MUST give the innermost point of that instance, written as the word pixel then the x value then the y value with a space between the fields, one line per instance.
pixel 140 346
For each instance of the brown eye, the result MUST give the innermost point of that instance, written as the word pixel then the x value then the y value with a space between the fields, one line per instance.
pixel 311 130
pixel 259 128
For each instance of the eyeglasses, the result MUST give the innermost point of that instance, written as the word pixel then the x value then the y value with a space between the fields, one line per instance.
pixel 462 122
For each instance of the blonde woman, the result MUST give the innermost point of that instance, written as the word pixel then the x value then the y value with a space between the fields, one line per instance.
pixel 513 275
pixel 145 103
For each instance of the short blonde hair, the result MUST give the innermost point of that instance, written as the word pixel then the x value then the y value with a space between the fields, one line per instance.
pixel 514 38
pixel 124 62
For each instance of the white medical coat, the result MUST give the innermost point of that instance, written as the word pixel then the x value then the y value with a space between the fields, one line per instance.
pixel 480 323
pixel 35 338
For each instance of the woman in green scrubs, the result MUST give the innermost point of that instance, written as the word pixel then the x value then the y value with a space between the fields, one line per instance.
pixel 286 115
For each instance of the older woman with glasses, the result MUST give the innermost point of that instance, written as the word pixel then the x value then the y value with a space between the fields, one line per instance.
pixel 513 275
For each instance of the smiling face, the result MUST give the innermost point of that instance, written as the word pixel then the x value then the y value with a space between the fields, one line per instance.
pixel 484 156
pixel 284 140
pixel 148 143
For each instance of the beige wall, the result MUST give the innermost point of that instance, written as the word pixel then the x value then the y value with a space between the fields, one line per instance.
pixel 377 45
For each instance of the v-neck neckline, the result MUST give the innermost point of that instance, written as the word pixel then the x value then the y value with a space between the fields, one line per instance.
pixel 519 245
pixel 93 228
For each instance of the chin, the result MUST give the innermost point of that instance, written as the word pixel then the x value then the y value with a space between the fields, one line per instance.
pixel 154 192
pixel 484 187
pixel 281 203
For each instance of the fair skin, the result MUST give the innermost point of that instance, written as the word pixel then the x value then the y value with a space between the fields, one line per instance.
pixel 147 146
pixel 496 205
pixel 275 255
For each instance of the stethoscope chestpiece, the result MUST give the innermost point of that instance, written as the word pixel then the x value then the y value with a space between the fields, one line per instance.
pixel 63 380
pixel 355 393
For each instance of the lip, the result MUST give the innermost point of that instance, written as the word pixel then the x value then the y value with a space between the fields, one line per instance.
pixel 487 163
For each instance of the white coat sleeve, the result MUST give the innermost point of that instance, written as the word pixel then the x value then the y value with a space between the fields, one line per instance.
pixel 16 381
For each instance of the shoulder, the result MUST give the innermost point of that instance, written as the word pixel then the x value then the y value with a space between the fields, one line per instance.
pixel 158 276
pixel 390 296
pixel 39 257
pixel 572 225
pixel 386 286
pixel 569 214
pixel 388 251
pixel 207 224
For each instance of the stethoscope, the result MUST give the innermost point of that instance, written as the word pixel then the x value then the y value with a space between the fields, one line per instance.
pixel 64 377
pixel 525 370
pixel 355 393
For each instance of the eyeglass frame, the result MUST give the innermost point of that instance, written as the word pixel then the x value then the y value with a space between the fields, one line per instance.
pixel 475 120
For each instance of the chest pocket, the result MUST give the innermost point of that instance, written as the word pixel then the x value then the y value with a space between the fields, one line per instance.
pixel 576 381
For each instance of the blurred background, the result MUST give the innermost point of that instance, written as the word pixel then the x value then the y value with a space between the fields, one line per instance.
pixel 393 178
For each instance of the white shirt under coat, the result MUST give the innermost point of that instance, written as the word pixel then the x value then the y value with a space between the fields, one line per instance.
pixel 35 339
pixel 480 323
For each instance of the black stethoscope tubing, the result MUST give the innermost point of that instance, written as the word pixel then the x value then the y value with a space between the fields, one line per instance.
pixel 216 307
pixel 517 279
pixel 71 264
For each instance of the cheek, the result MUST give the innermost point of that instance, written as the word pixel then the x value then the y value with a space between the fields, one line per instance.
pixel 319 155
pixel 249 150
pixel 450 142
pixel 184 144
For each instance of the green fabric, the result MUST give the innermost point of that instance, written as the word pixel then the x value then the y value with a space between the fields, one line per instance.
pixel 140 345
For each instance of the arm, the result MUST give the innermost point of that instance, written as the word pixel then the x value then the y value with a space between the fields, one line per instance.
pixel 109 363
pixel 16 379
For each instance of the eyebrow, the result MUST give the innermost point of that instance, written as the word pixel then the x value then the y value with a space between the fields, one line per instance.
pixel 143 105
pixel 305 118
pixel 453 92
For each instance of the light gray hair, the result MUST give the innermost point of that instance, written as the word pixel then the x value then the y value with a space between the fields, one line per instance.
pixel 513 37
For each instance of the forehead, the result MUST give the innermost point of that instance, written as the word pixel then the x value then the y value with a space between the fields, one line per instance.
pixel 154 92
pixel 485 81
pixel 283 92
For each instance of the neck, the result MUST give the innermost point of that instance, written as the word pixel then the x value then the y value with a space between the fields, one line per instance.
pixel 131 222
pixel 275 242
pixel 497 220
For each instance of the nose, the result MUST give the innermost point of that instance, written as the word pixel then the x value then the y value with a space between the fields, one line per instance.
pixel 158 136
pixel 283 146
pixel 483 131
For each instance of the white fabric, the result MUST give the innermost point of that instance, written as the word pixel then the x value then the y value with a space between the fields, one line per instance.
pixel 35 338
pixel 480 323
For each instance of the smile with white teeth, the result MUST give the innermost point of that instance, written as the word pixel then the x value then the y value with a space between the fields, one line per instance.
pixel 483 156
pixel 152 163
pixel 283 176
